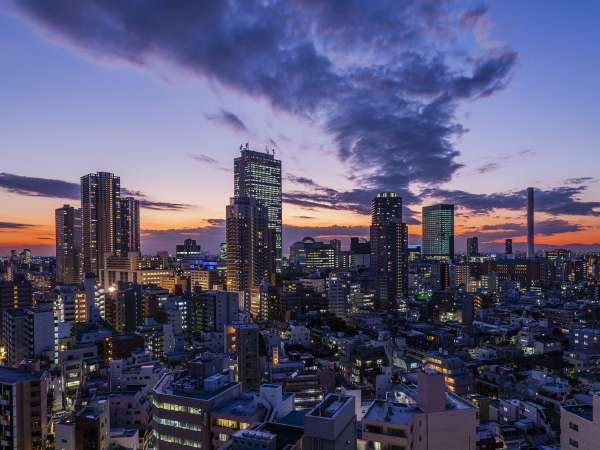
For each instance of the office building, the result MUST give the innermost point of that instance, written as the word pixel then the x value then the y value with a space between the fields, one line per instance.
pixel 23 409
pixel 130 225
pixel 389 249
pixel 580 425
pixel 250 255
pixel 188 250
pixel 315 255
pixel 242 340
pixel 472 247
pixel 258 175
pixel 68 245
pixel 331 424
pixel 438 232
pixel 530 223
pixel 181 407
pixel 100 219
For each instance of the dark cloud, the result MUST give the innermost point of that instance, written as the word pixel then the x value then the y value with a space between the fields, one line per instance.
pixel 13 226
pixel 317 196
pixel 164 206
pixel 375 74
pixel 205 159
pixel 558 200
pixel 580 180
pixel 39 187
pixel 543 228
pixel 47 187
pixel 489 167
pixel 228 119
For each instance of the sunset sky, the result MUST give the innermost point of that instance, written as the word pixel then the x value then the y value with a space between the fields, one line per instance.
pixel 464 102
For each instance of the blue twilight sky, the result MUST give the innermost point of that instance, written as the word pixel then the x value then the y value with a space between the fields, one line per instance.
pixel 93 89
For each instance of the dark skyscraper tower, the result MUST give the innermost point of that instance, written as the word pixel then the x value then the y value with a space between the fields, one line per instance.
pixel 530 224
pixel 508 247
pixel 250 250
pixel 472 247
pixel 130 225
pixel 68 245
pixel 389 249
pixel 100 219
pixel 258 175
pixel 438 232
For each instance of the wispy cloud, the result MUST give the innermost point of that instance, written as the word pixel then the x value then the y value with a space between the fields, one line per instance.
pixel 51 188
pixel 228 119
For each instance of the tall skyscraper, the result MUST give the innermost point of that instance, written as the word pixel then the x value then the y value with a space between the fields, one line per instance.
pixel 250 250
pixel 438 232
pixel 389 249
pixel 258 175
pixel 530 224
pixel 130 225
pixel 508 247
pixel 68 245
pixel 472 246
pixel 100 219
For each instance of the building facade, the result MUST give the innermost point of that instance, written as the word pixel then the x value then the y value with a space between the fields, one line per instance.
pixel 258 175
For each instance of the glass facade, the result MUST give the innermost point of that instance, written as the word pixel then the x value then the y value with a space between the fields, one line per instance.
pixel 258 175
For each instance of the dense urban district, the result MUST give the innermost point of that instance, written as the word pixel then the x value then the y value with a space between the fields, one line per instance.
pixel 380 346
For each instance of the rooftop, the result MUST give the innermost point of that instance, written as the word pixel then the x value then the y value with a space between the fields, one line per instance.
pixel 585 411
pixel 10 375
pixel 330 406
pixel 194 388
pixel 241 407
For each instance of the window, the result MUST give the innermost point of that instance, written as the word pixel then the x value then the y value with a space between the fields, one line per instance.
pixel 573 426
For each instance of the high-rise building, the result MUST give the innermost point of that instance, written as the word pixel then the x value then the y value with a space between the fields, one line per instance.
pixel 250 251
pixel 130 225
pixel 68 245
pixel 472 247
pixel 182 405
pixel 14 294
pixel 508 249
pixel 530 224
pixel 213 310
pixel 28 333
pixel 24 409
pixel 100 219
pixel 389 249
pixel 338 292
pixel 258 175
pixel 438 232
pixel 242 340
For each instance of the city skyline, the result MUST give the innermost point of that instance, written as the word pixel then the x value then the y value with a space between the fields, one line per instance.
pixel 170 131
